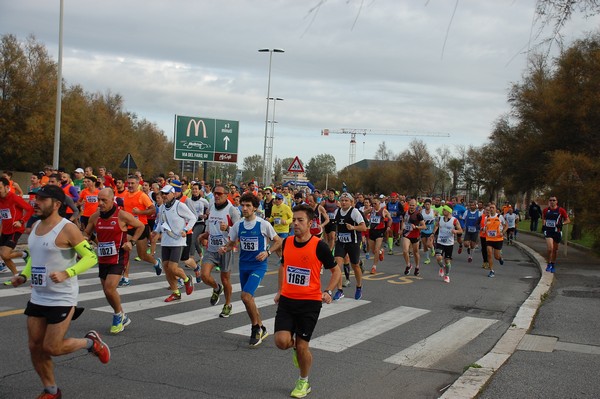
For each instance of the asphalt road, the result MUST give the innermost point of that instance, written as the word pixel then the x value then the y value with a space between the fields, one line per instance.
pixel 408 337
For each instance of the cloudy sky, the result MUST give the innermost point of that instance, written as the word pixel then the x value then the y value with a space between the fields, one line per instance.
pixel 375 64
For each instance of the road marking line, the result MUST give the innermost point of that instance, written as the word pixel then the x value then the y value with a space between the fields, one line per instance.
pixel 326 311
pixel 12 312
pixel 159 302
pixel 354 334
pixel 435 347
pixel 211 313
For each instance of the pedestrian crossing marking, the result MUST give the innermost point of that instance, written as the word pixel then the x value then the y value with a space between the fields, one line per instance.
pixel 326 311
pixel 26 289
pixel 435 347
pixel 205 314
pixel 158 302
pixel 350 336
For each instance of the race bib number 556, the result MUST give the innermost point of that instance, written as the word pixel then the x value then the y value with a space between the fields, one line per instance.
pixel 38 276
pixel 298 276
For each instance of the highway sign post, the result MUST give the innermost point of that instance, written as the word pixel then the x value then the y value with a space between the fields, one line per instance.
pixel 296 166
pixel 205 139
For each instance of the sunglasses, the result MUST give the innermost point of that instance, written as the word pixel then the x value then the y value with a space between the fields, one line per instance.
pixel 218 193
pixel 552 200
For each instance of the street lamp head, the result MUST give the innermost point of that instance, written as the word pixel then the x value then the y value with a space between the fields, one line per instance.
pixel 275 50
pixel 276 98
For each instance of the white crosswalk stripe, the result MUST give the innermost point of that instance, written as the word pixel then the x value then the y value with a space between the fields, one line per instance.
pixel 157 302
pixel 435 347
pixel 350 336
pixel 326 311
pixel 201 315
pixel 423 354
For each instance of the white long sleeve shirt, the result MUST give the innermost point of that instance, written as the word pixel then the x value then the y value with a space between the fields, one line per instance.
pixel 172 222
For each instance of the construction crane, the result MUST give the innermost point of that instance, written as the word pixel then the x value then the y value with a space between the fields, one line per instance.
pixel 364 132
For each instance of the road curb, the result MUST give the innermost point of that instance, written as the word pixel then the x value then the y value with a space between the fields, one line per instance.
pixel 473 380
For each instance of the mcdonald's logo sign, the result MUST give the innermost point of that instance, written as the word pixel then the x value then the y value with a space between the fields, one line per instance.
pixel 196 125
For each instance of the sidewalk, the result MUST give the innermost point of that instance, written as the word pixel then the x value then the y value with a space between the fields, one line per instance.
pixel 558 356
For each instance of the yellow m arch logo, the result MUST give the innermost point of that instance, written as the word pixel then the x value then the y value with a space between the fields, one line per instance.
pixel 196 125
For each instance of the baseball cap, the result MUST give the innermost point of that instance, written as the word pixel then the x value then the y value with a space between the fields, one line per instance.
pixel 49 191
pixel 176 184
pixel 394 195
pixel 381 196
pixel 168 189
pixel 279 196
pixel 78 170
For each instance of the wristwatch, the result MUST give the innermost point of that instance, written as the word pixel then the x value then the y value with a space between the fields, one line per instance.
pixel 328 292
pixel 268 253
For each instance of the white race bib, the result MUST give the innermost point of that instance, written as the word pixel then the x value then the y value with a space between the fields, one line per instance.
pixel 92 199
pixel 491 233
pixel 5 213
pixel 38 276
pixel 217 241
pixel 375 219
pixel 249 244
pixel 107 249
pixel 551 223
pixel 344 237
pixel 298 276
pixel 277 220
pixel 471 229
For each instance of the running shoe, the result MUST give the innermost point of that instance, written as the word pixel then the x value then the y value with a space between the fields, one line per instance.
pixel 138 259
pixel 214 298
pixel 552 269
pixel 263 332
pixel 460 249
pixel 491 274
pixel 3 267
pixel 121 281
pixel 470 259
pixel 358 293
pixel 255 336
pixel 180 283
pixel 390 251
pixel 432 251
pixel 47 395
pixel 226 311
pixel 549 267
pixel 441 272
pixel 446 279
pixel 189 286
pixel 158 267
pixel 26 255
pixel 217 269
pixel 197 273
pixel 501 260
pixel 368 255
pixel 407 270
pixel 126 283
pixel 99 348
pixel 173 297
pixel 8 283
pixel 417 272
pixel 346 282
pixel 485 265
pixel 301 390
pixel 117 324
pixel 381 255
pixel 339 294
pixel 295 358
pixel 126 320
pixel 374 270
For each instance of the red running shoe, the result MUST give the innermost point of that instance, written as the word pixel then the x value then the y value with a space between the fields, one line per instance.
pixel 381 255
pixel 99 348
pixel 46 395
pixel 189 286
pixel 173 297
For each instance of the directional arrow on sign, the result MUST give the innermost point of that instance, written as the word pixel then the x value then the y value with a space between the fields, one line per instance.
pixel 226 140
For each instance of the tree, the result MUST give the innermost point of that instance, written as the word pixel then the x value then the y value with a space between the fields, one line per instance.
pixel 252 167
pixel 319 167
pixel 416 168
pixel 383 153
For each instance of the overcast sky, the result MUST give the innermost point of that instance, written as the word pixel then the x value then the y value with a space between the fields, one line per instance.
pixel 376 64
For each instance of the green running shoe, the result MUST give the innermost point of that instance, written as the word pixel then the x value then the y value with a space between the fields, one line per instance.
pixel 302 389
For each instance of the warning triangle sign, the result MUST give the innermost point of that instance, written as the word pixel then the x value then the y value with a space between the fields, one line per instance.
pixel 296 166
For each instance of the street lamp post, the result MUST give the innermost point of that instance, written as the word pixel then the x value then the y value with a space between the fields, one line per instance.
pixel 266 174
pixel 269 145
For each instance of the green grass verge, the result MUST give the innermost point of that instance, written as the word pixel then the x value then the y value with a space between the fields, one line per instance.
pixel 587 240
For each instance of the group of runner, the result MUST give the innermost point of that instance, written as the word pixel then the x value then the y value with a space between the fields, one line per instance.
pixel 308 232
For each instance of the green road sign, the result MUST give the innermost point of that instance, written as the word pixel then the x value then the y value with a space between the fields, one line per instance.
pixel 205 139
